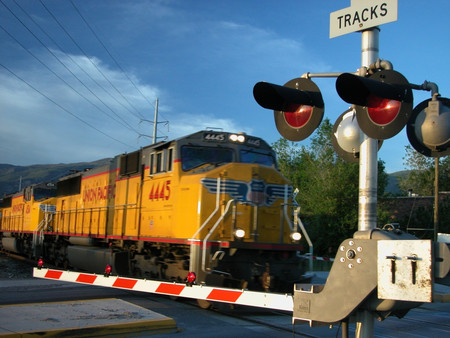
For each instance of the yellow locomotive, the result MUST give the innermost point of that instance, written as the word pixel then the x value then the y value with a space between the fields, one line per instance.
pixel 212 203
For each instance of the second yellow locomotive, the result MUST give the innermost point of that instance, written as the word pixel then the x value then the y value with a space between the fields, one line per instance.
pixel 212 203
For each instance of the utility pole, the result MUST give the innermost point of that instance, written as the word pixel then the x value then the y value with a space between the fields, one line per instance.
pixel 155 122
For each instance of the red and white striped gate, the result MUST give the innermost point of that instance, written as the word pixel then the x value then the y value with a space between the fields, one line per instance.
pixel 274 301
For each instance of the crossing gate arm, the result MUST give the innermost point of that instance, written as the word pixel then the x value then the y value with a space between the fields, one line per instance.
pixel 283 302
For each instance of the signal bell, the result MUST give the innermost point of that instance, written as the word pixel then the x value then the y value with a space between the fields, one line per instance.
pixel 298 106
pixel 383 101
pixel 428 129
pixel 346 136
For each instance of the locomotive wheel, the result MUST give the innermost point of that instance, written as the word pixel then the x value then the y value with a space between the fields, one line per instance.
pixel 204 304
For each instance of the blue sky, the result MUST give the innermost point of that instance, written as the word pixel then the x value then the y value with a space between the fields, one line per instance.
pixel 69 95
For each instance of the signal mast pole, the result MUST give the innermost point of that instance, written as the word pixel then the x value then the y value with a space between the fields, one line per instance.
pixel 368 162
pixel 368 172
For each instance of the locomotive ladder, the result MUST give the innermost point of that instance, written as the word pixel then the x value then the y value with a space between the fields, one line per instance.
pixel 38 233
pixel 283 302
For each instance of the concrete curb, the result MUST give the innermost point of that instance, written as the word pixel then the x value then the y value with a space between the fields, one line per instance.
pixel 86 318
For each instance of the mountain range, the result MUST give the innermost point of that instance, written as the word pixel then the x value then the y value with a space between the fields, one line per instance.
pixel 13 178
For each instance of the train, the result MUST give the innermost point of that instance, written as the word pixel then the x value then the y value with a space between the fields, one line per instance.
pixel 211 203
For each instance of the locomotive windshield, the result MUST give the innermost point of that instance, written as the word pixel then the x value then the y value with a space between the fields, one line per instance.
pixel 248 156
pixel 193 157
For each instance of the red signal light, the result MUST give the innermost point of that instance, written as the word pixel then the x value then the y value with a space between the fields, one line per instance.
pixel 298 106
pixel 382 111
pixel 108 270
pixel 191 277
pixel 298 116
pixel 383 101
pixel 40 263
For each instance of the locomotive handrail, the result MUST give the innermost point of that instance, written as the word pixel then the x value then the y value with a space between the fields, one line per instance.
pixel 299 223
pixel 205 240
pixel 285 205
pixel 213 213
pixel 310 244
pixel 97 208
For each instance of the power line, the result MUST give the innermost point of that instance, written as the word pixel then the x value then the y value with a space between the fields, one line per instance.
pixel 57 58
pixel 61 107
pixel 111 56
pixel 50 70
pixel 85 54
pixel 81 68
pixel 125 123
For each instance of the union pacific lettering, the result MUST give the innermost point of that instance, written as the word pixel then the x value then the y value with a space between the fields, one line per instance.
pixel 99 193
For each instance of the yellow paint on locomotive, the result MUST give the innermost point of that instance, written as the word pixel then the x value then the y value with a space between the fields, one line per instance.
pixel 24 215
pixel 169 204
pixel 127 207
pixel 260 220
pixel 98 203
pixel 160 204
pixel 66 216
pixel 175 205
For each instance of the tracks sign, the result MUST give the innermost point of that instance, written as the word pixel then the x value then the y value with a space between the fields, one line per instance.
pixel 362 15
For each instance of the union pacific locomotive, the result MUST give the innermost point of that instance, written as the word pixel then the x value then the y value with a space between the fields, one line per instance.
pixel 212 203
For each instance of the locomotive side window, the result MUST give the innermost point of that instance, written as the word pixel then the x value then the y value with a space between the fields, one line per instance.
pixel 152 164
pixel 161 161
pixel 193 157
pixel 169 159
pixel 248 156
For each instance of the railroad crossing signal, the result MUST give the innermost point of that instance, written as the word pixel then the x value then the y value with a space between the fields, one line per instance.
pixel 298 106
pixel 428 129
pixel 383 102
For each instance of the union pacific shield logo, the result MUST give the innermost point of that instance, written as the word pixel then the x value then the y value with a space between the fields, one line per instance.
pixel 255 191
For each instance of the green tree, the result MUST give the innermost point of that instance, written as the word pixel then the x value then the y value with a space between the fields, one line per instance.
pixel 420 179
pixel 328 187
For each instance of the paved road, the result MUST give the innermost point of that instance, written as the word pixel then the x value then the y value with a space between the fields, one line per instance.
pixel 429 320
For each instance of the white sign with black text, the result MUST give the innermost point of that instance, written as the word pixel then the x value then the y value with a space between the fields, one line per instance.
pixel 361 15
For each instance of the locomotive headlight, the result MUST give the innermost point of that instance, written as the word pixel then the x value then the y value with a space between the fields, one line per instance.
pixel 296 236
pixel 239 233
pixel 237 138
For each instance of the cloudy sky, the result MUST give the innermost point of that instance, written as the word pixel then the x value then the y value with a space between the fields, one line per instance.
pixel 79 78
